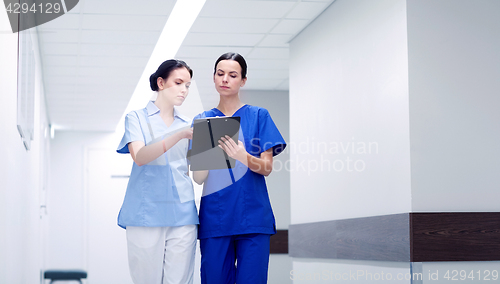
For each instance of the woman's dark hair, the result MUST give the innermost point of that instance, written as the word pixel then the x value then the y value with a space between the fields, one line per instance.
pixel 236 57
pixel 164 71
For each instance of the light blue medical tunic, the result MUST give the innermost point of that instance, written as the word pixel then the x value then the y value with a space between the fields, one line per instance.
pixel 160 193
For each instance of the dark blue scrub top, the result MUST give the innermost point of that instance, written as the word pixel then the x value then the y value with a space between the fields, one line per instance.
pixel 235 201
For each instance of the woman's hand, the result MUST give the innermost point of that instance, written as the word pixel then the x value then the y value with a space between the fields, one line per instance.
pixel 185 133
pixel 262 165
pixel 233 150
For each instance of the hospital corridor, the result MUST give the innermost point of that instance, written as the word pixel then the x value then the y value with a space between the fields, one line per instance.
pixel 381 119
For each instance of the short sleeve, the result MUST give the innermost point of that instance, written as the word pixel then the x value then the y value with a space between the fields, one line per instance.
pixel 133 132
pixel 269 135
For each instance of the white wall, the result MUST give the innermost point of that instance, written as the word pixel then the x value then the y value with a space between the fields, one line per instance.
pixel 278 182
pixel 446 98
pixel 66 196
pixel 22 173
pixel 349 125
pixel 454 104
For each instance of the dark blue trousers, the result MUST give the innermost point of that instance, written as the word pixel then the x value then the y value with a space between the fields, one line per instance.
pixel 237 259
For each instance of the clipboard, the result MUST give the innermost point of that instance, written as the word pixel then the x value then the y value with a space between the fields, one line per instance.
pixel 205 153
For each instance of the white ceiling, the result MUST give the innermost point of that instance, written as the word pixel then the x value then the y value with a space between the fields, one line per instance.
pixel 93 56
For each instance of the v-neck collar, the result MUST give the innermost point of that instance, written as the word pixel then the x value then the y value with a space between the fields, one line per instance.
pixel 223 114
pixel 152 109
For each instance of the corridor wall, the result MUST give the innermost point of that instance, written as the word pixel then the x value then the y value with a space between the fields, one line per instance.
pixel 23 174
pixel 454 102
pixel 349 122
pixel 417 79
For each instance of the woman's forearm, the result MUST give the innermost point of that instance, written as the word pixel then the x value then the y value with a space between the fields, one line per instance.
pixel 142 154
pixel 262 165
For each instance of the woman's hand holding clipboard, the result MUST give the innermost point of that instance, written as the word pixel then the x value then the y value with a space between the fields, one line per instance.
pixel 206 152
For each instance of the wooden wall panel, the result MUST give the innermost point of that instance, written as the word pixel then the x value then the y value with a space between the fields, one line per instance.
pixel 461 236
pixel 279 242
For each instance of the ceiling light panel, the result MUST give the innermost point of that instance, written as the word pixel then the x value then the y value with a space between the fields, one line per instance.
pixel 68 22
pixel 233 25
pixel 113 61
pixel 62 89
pixel 116 50
pixel 85 105
pixel 222 39
pixel 245 9
pixel 123 22
pixel 60 49
pixel 119 37
pixel 60 36
pixel 307 10
pixel 71 79
pixel 143 7
pixel 269 52
pixel 276 40
pixel 288 25
pixel 110 71
pixel 206 51
pixel 57 89
pixel 59 60
pixel 61 70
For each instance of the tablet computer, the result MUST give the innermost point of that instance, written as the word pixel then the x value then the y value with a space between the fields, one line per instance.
pixel 205 153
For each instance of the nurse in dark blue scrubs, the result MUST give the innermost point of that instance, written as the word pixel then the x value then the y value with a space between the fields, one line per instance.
pixel 236 218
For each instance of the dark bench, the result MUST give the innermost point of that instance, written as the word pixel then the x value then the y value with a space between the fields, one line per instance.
pixel 65 275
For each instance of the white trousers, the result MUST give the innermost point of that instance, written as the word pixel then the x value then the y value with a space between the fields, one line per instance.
pixel 161 255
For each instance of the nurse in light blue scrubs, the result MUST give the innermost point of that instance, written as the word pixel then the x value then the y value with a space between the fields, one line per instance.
pixel 236 218
pixel 159 212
